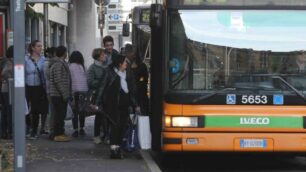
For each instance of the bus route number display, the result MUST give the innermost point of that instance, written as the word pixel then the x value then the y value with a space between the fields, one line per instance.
pixel 145 16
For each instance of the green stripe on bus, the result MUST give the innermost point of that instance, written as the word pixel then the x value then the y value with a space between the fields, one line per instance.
pixel 253 122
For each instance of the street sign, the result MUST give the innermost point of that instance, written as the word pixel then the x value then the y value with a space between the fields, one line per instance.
pixel 114 17
pixel 48 1
pixel 115 28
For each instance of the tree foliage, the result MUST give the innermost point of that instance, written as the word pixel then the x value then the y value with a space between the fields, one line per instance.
pixel 31 13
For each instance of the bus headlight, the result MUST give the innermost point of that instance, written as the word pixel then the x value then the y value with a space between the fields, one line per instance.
pixel 167 121
pixel 185 121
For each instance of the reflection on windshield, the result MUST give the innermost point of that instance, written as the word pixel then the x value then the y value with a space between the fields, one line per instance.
pixel 211 50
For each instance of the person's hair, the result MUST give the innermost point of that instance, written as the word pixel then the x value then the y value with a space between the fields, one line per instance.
pixel 108 39
pixel 10 52
pixel 96 53
pixel 129 48
pixel 32 45
pixel 60 51
pixel 76 57
pixel 118 61
pixel 50 52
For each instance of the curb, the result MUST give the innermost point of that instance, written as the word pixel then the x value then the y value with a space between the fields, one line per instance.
pixel 153 167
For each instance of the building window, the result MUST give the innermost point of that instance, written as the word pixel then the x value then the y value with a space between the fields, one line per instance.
pixel 62 35
pixel 53 35
pixel 34 29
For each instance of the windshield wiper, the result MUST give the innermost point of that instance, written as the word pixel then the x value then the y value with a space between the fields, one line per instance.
pixel 297 92
pixel 213 94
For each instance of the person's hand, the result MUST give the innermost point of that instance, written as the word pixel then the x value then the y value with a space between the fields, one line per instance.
pixel 137 110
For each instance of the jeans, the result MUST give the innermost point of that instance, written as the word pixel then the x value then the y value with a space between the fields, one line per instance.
pixel 59 109
pixel 78 116
pixel 97 124
pixel 6 116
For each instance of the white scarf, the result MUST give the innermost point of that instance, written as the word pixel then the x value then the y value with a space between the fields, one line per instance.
pixel 123 82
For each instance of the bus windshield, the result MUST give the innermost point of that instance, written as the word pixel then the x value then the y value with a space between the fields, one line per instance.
pixel 215 49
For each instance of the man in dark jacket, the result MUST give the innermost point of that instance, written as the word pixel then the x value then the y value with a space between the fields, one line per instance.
pixel 111 53
pixel 60 92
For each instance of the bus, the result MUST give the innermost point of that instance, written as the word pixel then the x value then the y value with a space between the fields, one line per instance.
pixel 141 31
pixel 228 76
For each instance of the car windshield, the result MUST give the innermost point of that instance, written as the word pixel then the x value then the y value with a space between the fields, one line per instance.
pixel 215 49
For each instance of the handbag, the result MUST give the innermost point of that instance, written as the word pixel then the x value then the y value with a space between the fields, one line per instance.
pixel 87 105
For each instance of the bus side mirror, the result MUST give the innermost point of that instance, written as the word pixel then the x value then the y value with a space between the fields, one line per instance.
pixel 156 15
pixel 126 29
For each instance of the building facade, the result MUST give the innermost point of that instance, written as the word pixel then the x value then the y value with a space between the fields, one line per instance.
pixel 83 28
pixel 51 32
pixel 74 25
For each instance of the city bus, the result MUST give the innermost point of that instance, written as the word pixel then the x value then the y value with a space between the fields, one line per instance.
pixel 228 76
pixel 141 31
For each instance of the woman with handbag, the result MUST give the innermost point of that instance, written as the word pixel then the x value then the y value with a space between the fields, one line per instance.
pixel 79 90
pixel 119 95
pixel 35 87
pixel 96 82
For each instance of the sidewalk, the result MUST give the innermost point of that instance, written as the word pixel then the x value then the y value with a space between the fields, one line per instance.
pixel 79 155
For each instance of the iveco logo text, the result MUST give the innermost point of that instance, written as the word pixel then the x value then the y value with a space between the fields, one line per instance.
pixel 255 121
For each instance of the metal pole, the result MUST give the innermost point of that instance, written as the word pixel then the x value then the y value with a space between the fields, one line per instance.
pixel 46 26
pixel 11 25
pixel 19 94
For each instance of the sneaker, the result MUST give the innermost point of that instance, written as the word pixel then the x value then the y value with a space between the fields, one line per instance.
pixel 75 134
pixel 62 138
pixel 106 140
pixel 116 154
pixel 51 136
pixel 33 136
pixel 97 140
pixel 43 132
pixel 82 132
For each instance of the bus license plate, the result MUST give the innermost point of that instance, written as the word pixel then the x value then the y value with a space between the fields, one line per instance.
pixel 253 143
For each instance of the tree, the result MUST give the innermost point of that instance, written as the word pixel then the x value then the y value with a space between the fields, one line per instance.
pixel 30 13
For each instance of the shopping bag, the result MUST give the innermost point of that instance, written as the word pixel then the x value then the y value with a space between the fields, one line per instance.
pixel 69 112
pixel 144 132
pixel 132 143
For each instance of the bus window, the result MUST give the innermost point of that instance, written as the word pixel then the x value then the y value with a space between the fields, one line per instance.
pixel 215 49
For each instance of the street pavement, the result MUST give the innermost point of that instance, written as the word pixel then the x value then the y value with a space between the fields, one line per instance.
pixel 221 162
pixel 79 155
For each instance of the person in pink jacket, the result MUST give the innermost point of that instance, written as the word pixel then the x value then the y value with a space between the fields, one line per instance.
pixel 79 88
